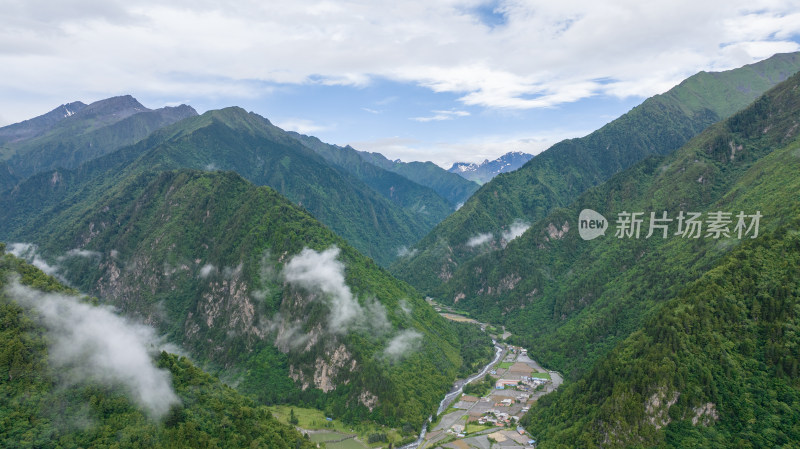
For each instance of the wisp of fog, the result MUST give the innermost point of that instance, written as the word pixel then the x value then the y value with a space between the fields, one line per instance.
pixel 89 343
pixel 322 272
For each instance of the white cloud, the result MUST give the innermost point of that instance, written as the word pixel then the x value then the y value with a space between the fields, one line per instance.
pixel 403 251
pixel 545 54
pixel 515 230
pixel 89 343
pixel 301 126
pixel 441 115
pixel 475 149
pixel 85 253
pixel 479 239
pixel 401 344
pixel 30 253
pixel 207 270
pixel 321 272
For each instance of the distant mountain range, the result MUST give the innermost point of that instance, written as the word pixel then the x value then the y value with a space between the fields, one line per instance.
pixel 454 188
pixel 486 170
pixel 74 133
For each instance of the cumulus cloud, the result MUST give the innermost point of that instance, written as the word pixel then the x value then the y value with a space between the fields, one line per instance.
pixel 401 344
pixel 321 272
pixel 479 239
pixel 515 230
pixel 89 343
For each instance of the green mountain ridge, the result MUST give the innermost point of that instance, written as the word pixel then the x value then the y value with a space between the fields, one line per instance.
pixel 199 254
pixel 450 186
pixel 415 199
pixel 557 176
pixel 573 299
pixel 652 362
pixel 231 139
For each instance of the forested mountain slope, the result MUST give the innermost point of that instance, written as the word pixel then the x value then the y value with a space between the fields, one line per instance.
pixel 417 200
pixel 230 139
pixel 46 406
pixel 450 186
pixel 556 177
pixel 715 367
pixel 255 287
pixel 572 300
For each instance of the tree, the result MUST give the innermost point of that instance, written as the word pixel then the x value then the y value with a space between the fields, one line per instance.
pixel 292 418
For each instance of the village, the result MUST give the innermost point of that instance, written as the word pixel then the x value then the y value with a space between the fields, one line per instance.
pixel 490 418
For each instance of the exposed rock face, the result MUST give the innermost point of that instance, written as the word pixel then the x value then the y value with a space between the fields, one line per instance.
pixel 657 407
pixel 705 414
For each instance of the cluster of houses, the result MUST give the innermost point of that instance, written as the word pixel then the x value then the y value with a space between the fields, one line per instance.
pixel 497 418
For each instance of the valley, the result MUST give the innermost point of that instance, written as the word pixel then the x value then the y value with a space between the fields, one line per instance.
pixel 174 279
pixel 487 406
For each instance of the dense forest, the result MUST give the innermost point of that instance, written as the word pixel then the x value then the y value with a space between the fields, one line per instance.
pixel 718 366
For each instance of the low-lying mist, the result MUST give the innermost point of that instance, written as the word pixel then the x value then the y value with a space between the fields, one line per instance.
pixel 93 344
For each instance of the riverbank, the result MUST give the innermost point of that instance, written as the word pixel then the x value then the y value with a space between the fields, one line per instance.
pixel 479 421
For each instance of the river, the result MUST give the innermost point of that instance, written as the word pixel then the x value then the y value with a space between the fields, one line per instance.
pixel 458 387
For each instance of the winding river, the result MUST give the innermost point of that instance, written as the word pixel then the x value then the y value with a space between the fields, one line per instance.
pixel 458 387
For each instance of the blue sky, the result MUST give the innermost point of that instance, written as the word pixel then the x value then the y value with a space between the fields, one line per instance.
pixel 447 80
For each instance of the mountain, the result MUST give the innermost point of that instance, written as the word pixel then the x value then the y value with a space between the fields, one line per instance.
pixel 454 189
pixel 248 283
pixel 415 199
pixel 571 300
pixel 555 178
pixel 45 406
pixel 74 133
pixel 665 338
pixel 715 367
pixel 29 128
pixel 233 139
pixel 486 170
